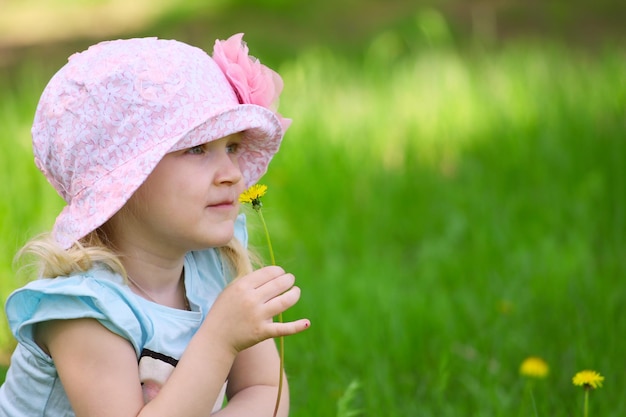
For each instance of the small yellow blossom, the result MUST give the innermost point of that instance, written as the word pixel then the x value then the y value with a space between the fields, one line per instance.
pixel 588 379
pixel 534 367
pixel 253 195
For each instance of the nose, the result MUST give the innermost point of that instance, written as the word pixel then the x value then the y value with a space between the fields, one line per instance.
pixel 228 171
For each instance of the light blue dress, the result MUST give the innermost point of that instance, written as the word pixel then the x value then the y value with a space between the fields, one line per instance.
pixel 158 334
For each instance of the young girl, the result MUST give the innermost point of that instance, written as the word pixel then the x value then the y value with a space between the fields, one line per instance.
pixel 148 304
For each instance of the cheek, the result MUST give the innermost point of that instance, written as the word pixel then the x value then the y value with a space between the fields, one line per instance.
pixel 162 185
pixel 240 187
pixel 153 199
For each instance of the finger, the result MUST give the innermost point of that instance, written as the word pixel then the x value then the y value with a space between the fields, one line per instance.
pixel 291 327
pixel 283 301
pixel 276 286
pixel 261 276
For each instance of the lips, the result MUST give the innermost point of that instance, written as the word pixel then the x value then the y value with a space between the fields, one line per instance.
pixel 227 198
pixel 223 203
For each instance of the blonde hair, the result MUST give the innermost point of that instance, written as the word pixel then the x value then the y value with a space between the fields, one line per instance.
pixel 51 260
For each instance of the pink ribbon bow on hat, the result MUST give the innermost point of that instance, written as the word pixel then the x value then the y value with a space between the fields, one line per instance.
pixel 253 82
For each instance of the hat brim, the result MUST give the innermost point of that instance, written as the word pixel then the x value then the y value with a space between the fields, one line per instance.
pixel 94 205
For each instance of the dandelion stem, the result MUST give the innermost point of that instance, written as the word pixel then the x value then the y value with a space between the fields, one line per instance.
pixel 586 402
pixel 280 319
pixel 267 236
pixel 532 397
pixel 282 366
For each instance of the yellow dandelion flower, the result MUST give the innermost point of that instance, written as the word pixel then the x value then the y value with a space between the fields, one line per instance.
pixel 253 195
pixel 534 367
pixel 588 379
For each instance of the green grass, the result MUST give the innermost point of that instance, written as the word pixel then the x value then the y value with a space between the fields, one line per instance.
pixel 447 214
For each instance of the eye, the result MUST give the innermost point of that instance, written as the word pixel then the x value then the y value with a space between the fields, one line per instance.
pixel 196 150
pixel 232 147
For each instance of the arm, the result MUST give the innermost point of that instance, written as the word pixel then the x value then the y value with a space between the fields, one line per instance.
pixel 253 383
pixel 99 369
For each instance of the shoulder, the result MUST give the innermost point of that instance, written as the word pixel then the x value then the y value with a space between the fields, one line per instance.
pixel 98 294
pixel 97 285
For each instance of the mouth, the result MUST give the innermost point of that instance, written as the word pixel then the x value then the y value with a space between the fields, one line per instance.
pixel 223 204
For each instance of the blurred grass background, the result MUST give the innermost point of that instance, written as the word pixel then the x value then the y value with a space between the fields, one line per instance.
pixel 451 195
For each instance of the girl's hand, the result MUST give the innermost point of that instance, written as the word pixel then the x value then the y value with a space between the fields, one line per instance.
pixel 243 313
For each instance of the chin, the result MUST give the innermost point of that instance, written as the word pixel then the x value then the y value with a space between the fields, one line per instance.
pixel 218 235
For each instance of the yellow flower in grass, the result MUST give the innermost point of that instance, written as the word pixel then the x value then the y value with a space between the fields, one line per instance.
pixel 253 195
pixel 534 367
pixel 588 379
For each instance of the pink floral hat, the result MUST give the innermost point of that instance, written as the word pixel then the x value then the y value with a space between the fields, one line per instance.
pixel 107 118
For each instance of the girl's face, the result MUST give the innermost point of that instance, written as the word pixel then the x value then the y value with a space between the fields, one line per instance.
pixel 189 202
